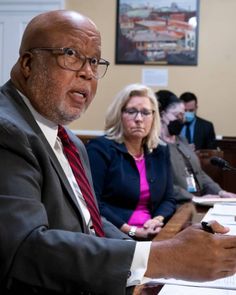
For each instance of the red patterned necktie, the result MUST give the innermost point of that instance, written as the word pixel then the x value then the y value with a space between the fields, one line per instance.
pixel 73 157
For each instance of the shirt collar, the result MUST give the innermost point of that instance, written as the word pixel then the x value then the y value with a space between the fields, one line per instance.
pixel 48 127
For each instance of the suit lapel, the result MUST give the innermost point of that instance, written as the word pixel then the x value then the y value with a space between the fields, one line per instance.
pixel 14 96
pixel 61 174
pixel 197 135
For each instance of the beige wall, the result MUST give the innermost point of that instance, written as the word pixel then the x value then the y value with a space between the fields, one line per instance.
pixel 213 80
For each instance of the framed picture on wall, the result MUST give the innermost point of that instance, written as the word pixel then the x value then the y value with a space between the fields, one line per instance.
pixel 162 32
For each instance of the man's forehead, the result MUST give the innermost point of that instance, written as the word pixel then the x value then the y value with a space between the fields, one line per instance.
pixel 42 32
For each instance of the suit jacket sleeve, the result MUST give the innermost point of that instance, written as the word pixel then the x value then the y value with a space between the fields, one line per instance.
pixel 211 138
pixel 209 186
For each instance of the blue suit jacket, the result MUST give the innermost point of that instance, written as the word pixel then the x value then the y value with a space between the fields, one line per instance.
pixel 203 134
pixel 117 182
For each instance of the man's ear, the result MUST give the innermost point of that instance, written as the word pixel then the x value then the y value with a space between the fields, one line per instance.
pixel 25 63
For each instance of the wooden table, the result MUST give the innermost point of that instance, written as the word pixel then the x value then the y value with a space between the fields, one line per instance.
pixel 182 218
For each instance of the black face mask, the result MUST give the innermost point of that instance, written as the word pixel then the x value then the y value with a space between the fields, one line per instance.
pixel 175 127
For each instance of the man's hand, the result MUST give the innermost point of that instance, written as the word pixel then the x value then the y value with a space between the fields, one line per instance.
pixel 194 255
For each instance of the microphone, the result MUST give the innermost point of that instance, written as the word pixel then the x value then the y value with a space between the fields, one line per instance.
pixel 221 163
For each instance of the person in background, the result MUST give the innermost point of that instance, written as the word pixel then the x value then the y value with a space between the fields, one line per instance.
pixel 131 171
pixel 188 176
pixel 199 132
pixel 52 237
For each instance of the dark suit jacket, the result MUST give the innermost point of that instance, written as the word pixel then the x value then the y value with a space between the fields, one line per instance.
pixel 204 134
pixel 44 241
pixel 117 182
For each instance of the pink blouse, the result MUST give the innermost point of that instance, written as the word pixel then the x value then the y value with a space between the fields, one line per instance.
pixel 141 213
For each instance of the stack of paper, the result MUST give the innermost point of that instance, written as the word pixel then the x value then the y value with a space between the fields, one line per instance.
pixel 225 214
pixel 228 283
pixel 212 201
pixel 188 290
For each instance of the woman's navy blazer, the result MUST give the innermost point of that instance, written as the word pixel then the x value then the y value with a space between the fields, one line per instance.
pixel 117 182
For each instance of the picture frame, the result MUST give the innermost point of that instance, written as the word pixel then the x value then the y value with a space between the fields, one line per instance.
pixel 158 32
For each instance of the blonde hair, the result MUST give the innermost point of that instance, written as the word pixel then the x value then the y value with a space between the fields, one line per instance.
pixel 113 123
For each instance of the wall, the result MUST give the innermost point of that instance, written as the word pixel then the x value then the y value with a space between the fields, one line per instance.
pixel 14 16
pixel 213 80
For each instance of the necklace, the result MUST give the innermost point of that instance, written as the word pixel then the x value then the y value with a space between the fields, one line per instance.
pixel 137 157
pixel 136 152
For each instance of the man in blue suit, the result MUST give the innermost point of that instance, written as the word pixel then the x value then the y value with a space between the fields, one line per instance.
pixel 199 132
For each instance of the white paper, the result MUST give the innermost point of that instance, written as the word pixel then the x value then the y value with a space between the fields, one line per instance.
pixel 223 219
pixel 212 201
pixel 189 290
pixel 155 77
pixel 225 214
pixel 225 209
pixel 225 283
pixel 226 220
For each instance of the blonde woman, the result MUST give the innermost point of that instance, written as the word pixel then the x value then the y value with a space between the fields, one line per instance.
pixel 131 171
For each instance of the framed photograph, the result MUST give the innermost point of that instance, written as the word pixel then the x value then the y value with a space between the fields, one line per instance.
pixel 162 32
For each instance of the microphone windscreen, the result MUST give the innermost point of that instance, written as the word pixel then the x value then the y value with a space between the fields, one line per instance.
pixel 217 161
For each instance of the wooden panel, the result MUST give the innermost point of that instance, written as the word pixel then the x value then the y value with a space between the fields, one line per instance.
pixel 214 172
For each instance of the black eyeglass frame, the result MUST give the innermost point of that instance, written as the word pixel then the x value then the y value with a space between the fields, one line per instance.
pixel 133 113
pixel 67 51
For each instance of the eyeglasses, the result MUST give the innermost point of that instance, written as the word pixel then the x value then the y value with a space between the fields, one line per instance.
pixel 70 59
pixel 132 113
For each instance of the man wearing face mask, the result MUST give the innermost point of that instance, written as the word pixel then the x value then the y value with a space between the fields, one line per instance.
pixel 188 177
pixel 199 132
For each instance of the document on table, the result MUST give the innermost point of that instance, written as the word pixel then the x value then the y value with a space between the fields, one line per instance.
pixel 223 219
pixel 228 209
pixel 225 214
pixel 226 220
pixel 212 201
pixel 225 283
pixel 189 290
pixel 216 213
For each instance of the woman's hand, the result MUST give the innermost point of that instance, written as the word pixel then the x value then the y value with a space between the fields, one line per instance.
pixel 156 222
pixel 146 233
pixel 225 194
pixel 221 194
pixel 149 230
pixel 209 196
